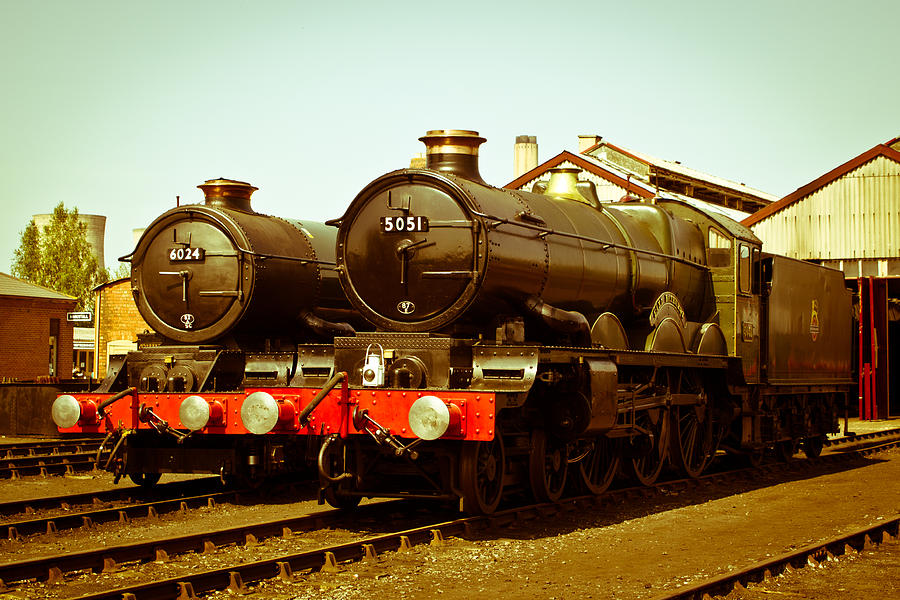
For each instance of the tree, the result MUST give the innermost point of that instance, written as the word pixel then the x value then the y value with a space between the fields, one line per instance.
pixel 28 254
pixel 60 257
pixel 123 270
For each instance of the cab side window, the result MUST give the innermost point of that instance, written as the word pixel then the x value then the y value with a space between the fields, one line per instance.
pixel 745 269
pixel 719 254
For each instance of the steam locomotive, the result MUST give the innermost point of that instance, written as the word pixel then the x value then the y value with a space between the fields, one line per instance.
pixel 525 342
pixel 534 342
pixel 231 295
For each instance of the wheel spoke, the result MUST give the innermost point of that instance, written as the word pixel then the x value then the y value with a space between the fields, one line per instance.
pixel 692 442
pixel 599 467
pixel 547 469
pixel 646 469
pixel 481 468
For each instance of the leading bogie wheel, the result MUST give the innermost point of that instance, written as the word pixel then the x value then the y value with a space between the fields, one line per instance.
pixel 481 469
pixel 338 498
pixel 547 467
pixel 145 480
pixel 335 456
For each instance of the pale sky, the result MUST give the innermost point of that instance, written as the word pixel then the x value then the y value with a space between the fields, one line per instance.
pixel 116 107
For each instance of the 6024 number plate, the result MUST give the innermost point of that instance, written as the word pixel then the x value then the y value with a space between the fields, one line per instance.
pixel 403 224
pixel 186 254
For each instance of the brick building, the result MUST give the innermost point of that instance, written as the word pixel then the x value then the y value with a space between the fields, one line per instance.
pixel 35 336
pixel 117 322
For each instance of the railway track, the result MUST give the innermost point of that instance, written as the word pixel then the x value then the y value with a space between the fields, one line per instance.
pixel 120 514
pixel 120 505
pixel 43 448
pixel 53 457
pixel 349 546
pixel 51 464
pixel 127 494
pixel 872 436
pixel 812 555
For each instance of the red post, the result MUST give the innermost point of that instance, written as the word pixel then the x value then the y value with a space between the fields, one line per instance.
pixel 863 380
pixel 873 350
pixel 866 390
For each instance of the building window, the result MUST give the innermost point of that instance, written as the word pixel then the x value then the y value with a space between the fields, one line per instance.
pixel 83 364
pixel 54 346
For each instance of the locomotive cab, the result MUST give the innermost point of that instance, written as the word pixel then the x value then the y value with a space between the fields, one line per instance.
pixel 733 257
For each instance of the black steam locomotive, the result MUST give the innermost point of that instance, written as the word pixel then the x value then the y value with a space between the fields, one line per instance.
pixel 525 342
pixel 231 295
pixel 534 341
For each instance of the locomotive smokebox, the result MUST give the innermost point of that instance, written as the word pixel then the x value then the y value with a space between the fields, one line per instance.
pixel 204 271
pixel 228 193
pixel 453 151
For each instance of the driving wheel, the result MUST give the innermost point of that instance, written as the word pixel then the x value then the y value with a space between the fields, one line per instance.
pixel 547 467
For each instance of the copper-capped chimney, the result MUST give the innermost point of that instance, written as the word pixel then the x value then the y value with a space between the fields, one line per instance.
pixel 453 151
pixel 228 193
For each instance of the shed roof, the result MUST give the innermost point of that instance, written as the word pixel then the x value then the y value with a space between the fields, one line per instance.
pixel 13 286
pixel 590 164
pixel 647 176
pixel 880 150
pixel 687 173
pixel 623 179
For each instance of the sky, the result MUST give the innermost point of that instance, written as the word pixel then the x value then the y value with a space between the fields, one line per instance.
pixel 116 107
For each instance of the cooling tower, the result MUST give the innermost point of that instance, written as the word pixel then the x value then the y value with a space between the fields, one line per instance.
pixel 96 231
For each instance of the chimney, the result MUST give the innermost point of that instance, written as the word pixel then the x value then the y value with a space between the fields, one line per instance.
pixel 526 154
pixel 588 141
pixel 228 193
pixel 453 151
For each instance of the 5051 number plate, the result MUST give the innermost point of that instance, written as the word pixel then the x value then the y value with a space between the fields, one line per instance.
pixel 403 224
pixel 186 254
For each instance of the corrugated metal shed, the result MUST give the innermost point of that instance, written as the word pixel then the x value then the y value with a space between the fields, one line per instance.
pixel 851 213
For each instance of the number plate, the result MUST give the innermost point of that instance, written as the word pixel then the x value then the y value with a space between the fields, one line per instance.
pixel 186 254
pixel 400 224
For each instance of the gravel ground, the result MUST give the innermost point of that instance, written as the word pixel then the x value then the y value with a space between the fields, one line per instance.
pixel 637 549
